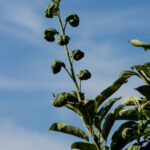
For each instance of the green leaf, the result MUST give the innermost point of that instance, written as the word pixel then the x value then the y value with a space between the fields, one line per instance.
pixel 138 43
pixel 110 90
pixel 120 138
pixel 73 20
pixel 143 124
pixel 104 147
pixel 69 129
pixel 84 75
pixel 108 123
pixel 147 64
pixel 134 147
pixel 60 100
pixel 146 132
pixel 128 74
pixel 49 34
pixel 146 105
pixel 51 10
pixel 63 40
pixel 126 114
pixel 144 72
pixel 74 108
pixel 119 113
pixel 146 113
pixel 77 54
pixel 74 94
pixel 97 134
pixel 104 110
pixel 56 66
pixel 84 146
pixel 88 109
pixel 144 90
pixel 130 101
pixel 123 136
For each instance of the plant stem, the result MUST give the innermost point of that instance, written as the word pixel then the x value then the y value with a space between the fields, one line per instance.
pixel 95 140
pixel 69 60
pixel 139 118
pixel 68 72
pixel 80 85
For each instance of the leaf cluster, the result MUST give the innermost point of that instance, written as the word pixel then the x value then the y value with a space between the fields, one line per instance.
pixel 97 114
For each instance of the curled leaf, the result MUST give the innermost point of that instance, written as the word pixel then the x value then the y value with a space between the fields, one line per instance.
pixel 63 40
pixel 73 20
pixel 66 98
pixel 138 43
pixel 127 133
pixel 77 54
pixel 60 100
pixel 51 10
pixel 49 34
pixel 56 66
pixel 84 75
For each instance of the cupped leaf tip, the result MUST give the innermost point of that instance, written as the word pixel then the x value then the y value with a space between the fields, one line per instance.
pixel 63 40
pixel 51 10
pixel 73 20
pixel 77 54
pixel 49 34
pixel 84 75
pixel 56 66
pixel 59 100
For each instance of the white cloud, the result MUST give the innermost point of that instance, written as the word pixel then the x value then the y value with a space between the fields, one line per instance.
pixel 99 57
pixel 22 22
pixel 16 138
pixel 22 16
pixel 113 22
pixel 10 83
pixel 32 84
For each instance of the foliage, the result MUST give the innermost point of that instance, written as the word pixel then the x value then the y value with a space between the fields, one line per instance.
pixel 95 113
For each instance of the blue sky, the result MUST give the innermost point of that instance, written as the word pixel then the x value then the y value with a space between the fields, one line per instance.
pixel 26 81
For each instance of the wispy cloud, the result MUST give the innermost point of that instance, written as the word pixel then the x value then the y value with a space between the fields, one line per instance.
pixel 16 138
pixel 21 21
pixel 35 84
pixel 22 16
pixel 103 25
pixel 102 57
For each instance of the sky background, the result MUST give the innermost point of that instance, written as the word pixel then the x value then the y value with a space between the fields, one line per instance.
pixel 26 80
